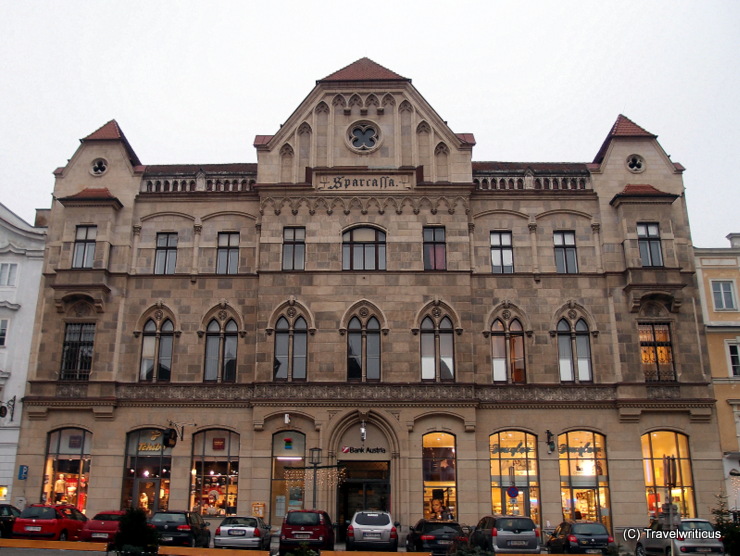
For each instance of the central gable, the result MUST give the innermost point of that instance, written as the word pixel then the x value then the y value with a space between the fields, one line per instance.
pixel 364 127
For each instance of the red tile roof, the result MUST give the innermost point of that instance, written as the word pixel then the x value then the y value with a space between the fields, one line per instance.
pixel 364 69
pixel 623 127
pixel 92 195
pixel 466 138
pixel 260 140
pixel 642 190
pixel 112 132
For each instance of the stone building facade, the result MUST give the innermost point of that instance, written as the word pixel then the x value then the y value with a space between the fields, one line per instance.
pixel 368 316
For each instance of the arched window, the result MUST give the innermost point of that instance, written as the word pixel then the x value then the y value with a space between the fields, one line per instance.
pixel 214 472
pixel 507 352
pixel 363 249
pixel 220 361
pixel 668 472
pixel 514 464
pixel 439 464
pixel 67 468
pixel 290 349
pixel 363 350
pixel 146 477
pixel 574 352
pixel 288 486
pixel 437 350
pixel 156 351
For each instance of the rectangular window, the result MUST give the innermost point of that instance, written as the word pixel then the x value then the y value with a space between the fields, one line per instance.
pixel 723 293
pixel 566 261
pixel 656 351
pixel 8 273
pixel 648 240
pixel 84 251
pixel 734 350
pixel 502 253
pixel 435 255
pixel 227 258
pixel 294 248
pixel 77 351
pixel 166 253
pixel 3 331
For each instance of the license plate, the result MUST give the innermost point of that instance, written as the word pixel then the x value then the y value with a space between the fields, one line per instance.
pixel 517 543
pixel 593 551
pixel 302 535
pixel 444 542
pixel 703 549
pixel 100 535
pixel 237 532
pixel 29 528
pixel 167 539
pixel 371 535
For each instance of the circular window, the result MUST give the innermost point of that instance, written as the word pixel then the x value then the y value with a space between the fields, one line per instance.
pixel 99 167
pixel 363 137
pixel 635 163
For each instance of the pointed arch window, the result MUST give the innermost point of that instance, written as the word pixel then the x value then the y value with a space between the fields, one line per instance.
pixel 291 344
pixel 437 350
pixel 574 352
pixel 156 351
pixel 363 350
pixel 221 345
pixel 507 352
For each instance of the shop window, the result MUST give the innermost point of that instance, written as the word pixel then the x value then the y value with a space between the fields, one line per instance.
pixel 215 472
pixel 584 477
pixel 514 464
pixel 156 351
pixel 507 352
pixel 574 352
pixel 220 360
pixel 656 351
pixel 146 475
pixel 84 251
pixel 437 350
pixel 363 350
pixel 439 464
pixel 67 468
pixel 661 485
pixel 363 249
pixel 287 485
pixel 435 256
pixel 291 344
pixel 77 351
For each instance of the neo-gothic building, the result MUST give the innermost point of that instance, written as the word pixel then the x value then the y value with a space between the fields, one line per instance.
pixel 369 297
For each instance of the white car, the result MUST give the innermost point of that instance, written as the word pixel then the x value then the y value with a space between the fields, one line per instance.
pixel 692 536
pixel 242 532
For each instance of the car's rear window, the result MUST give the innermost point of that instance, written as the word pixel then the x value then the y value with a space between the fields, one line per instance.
pixel 514 524
pixel 240 521
pixel 589 529
pixel 39 513
pixel 302 518
pixel 368 518
pixel 108 517
pixel 168 518
pixel 695 526
pixel 442 528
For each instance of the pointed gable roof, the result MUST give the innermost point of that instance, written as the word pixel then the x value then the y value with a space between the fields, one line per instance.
pixel 92 196
pixel 112 132
pixel 363 69
pixel 623 127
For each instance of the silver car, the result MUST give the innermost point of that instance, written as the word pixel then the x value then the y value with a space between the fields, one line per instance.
pixel 242 532
pixel 693 535
pixel 373 531
pixel 506 533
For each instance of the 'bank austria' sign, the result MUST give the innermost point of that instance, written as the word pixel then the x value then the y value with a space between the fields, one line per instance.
pixel 369 182
pixel 363 450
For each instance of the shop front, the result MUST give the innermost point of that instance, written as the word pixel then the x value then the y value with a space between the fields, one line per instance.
pixel 146 478
pixel 515 483
pixel 67 468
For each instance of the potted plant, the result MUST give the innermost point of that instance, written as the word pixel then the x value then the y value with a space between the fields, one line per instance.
pixel 135 536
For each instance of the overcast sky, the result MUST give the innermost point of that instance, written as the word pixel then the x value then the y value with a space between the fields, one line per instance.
pixel 536 81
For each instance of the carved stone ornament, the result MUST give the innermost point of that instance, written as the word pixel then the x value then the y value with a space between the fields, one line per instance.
pixel 364 312
pixel 223 314
pixel 506 314
pixel 158 314
pixel 572 314
pixel 291 312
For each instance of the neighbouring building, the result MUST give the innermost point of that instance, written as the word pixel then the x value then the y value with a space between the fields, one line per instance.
pixel 718 272
pixel 21 261
pixel 367 317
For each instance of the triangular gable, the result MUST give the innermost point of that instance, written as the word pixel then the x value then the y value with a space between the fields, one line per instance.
pixel 623 127
pixel 363 69
pixel 112 132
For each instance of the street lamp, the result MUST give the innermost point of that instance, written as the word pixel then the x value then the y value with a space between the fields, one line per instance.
pixel 315 460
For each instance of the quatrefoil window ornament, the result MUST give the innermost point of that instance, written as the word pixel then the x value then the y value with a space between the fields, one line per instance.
pixel 635 163
pixel 363 137
pixel 99 167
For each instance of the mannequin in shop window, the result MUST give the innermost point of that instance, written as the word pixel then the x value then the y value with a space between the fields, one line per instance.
pixel 439 511
pixel 60 489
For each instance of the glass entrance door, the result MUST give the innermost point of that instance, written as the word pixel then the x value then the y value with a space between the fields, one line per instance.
pixel 151 495
pixel 516 506
pixel 366 487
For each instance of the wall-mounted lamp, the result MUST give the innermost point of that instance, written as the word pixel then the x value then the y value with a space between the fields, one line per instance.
pixel 363 432
pixel 6 407
pixel 550 442
pixel 287 418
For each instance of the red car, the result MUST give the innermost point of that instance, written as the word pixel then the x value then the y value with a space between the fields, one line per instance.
pixel 103 527
pixel 43 521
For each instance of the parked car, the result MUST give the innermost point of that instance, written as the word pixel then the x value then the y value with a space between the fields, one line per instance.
pixel 43 521
pixel 693 535
pixel 242 532
pixel 580 537
pixel 8 514
pixel 434 536
pixel 506 533
pixel 181 528
pixel 103 527
pixel 310 527
pixel 373 531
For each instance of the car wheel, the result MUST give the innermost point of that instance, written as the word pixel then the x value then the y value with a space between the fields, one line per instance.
pixel 63 536
pixel 639 550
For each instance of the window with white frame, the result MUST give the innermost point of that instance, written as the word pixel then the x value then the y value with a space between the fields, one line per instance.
pixel 8 272
pixel 733 352
pixel 723 294
pixel 3 331
pixel 502 253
